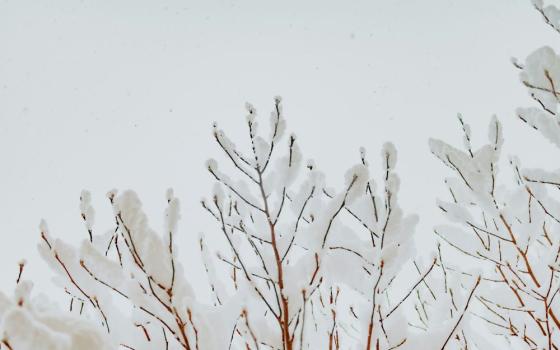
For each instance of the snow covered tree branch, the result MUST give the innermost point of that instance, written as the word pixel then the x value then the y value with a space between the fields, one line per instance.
pixel 510 231
pixel 34 323
pixel 137 267
pixel 304 265
pixel 295 243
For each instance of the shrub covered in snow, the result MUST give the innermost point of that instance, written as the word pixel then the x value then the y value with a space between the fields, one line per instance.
pixel 304 265
pixel 509 232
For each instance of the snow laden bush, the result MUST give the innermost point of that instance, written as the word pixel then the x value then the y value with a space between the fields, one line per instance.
pixel 129 280
pixel 314 265
pixel 302 265
pixel 512 233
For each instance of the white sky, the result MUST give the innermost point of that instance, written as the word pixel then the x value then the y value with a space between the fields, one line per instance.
pixel 104 94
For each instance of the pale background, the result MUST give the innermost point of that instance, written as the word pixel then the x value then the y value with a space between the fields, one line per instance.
pixel 104 94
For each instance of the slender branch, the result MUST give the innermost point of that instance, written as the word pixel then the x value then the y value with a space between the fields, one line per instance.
pixel 462 314
pixel 412 289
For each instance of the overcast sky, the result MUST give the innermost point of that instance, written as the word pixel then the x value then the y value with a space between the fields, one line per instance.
pixel 122 94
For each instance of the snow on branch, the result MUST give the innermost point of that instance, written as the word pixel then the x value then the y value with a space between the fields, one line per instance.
pixel 509 234
pixel 315 258
pixel 305 265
